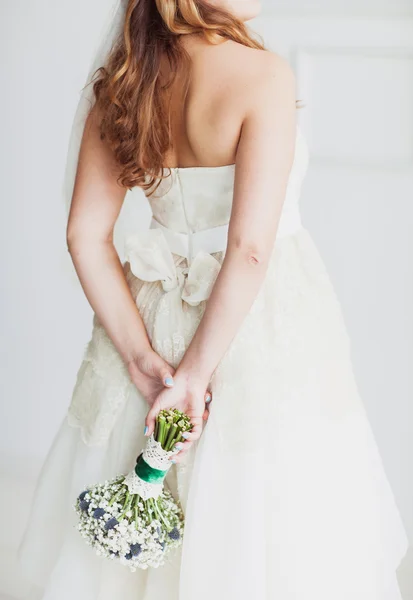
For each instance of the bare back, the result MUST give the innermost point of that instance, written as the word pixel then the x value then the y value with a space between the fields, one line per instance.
pixel 207 127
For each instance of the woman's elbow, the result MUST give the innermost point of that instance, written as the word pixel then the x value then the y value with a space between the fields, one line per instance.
pixel 254 253
pixel 75 239
pixel 71 239
pixel 80 241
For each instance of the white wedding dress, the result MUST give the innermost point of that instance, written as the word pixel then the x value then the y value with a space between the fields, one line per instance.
pixel 285 495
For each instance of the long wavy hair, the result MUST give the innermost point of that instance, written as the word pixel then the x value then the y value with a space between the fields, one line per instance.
pixel 131 95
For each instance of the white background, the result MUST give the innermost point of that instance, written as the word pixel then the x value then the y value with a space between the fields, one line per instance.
pixel 357 203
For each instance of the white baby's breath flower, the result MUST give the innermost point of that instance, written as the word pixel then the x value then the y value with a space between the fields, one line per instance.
pixel 134 542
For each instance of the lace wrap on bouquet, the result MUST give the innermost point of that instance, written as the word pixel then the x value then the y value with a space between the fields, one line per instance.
pixel 157 458
pixel 170 295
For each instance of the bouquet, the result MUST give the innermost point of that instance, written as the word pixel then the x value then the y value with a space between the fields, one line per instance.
pixel 133 519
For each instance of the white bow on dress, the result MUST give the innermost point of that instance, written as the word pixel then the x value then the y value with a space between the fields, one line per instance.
pixel 175 317
pixel 151 260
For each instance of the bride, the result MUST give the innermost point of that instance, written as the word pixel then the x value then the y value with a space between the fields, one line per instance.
pixel 222 309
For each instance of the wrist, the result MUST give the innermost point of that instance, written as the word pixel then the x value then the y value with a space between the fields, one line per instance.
pixel 197 364
pixel 192 379
pixel 137 355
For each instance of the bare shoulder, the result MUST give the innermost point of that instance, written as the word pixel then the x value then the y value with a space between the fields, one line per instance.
pixel 251 71
pixel 236 61
pixel 268 74
pixel 275 67
pixel 251 63
pixel 234 87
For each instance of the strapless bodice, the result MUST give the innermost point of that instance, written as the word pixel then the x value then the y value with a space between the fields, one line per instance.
pixel 195 199
pixel 192 206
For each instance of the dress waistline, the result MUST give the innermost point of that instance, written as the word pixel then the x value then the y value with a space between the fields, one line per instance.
pixel 215 239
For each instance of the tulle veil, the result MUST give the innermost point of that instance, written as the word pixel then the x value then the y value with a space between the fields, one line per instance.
pixel 111 32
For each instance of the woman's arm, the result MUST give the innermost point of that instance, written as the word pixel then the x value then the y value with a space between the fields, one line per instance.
pixel 264 160
pixel 97 201
pixel 263 164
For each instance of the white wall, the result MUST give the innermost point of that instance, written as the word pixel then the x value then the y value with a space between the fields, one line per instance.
pixel 45 321
pixel 353 8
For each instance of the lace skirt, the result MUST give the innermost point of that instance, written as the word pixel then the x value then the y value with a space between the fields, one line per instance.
pixel 285 495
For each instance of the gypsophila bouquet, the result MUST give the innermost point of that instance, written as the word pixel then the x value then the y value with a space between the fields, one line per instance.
pixel 133 519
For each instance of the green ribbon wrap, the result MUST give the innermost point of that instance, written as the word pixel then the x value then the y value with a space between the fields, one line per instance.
pixel 148 473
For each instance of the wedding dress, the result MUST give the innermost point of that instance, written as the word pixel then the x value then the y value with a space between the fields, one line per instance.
pixel 285 495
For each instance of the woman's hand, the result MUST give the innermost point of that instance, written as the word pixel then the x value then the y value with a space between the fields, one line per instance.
pixel 151 374
pixel 191 398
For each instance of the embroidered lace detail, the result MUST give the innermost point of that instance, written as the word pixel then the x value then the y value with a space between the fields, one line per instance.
pixel 103 382
pixel 155 455
pixel 101 389
pixel 136 485
pixel 274 338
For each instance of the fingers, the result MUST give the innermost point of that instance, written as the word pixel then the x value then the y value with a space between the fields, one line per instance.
pixel 195 433
pixel 150 419
pixel 168 380
pixel 208 400
pixel 178 458
pixel 180 450
pixel 166 376
pixel 196 430
pixel 164 372
pixel 190 438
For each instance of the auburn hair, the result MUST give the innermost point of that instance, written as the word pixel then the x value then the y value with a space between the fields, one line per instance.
pixel 131 97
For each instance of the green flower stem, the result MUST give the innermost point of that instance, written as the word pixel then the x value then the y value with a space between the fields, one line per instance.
pixel 161 428
pixel 170 442
pixel 152 506
pixel 165 435
pixel 162 516
pixel 117 496
pixel 127 498
pixel 166 432
pixel 126 506
pixel 178 434
pixel 170 424
pixel 147 511
pixel 156 510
